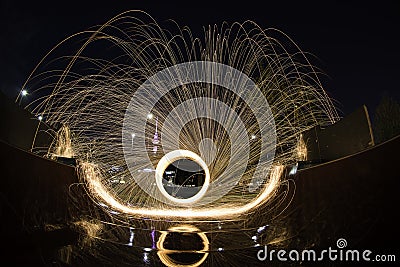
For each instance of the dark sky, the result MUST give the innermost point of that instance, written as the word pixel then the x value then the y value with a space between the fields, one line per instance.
pixel 357 43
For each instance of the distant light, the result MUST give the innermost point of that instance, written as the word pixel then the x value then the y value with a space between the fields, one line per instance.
pixel 114 212
pixel 131 237
pixel 24 92
pixel 253 137
pixel 103 205
pixel 133 135
pixel 293 170
pixel 40 117
pixel 220 249
pixel 254 237
pixel 149 116
pixel 146 257
pixel 147 249
pixel 260 229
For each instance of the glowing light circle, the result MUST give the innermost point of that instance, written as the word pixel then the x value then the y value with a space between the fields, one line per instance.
pixel 173 156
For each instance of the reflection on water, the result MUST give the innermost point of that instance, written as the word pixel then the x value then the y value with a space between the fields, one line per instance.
pixel 171 243
pixel 182 245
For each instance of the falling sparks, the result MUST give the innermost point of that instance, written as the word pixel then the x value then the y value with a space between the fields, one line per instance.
pixel 92 95
pixel 62 146
pixel 301 149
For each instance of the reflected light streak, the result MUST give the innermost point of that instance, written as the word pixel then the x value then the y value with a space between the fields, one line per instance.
pixel 93 179
pixel 163 253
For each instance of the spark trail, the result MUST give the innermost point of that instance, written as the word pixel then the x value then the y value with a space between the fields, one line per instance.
pixel 253 93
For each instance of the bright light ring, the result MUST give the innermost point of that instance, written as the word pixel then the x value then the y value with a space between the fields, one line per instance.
pixel 152 90
pixel 163 253
pixel 173 156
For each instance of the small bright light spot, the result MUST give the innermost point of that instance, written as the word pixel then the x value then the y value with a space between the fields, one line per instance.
pixel 24 92
pixel 253 137
pixel 257 245
pixel 146 257
pixel 260 229
pixel 103 205
pixel 149 116
pixel 147 249
pixel 40 117
pixel 254 237
pixel 293 170
pixel 133 135
pixel 131 237
pixel 220 249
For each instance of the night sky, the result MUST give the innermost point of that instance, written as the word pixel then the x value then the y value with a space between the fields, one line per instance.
pixel 357 44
